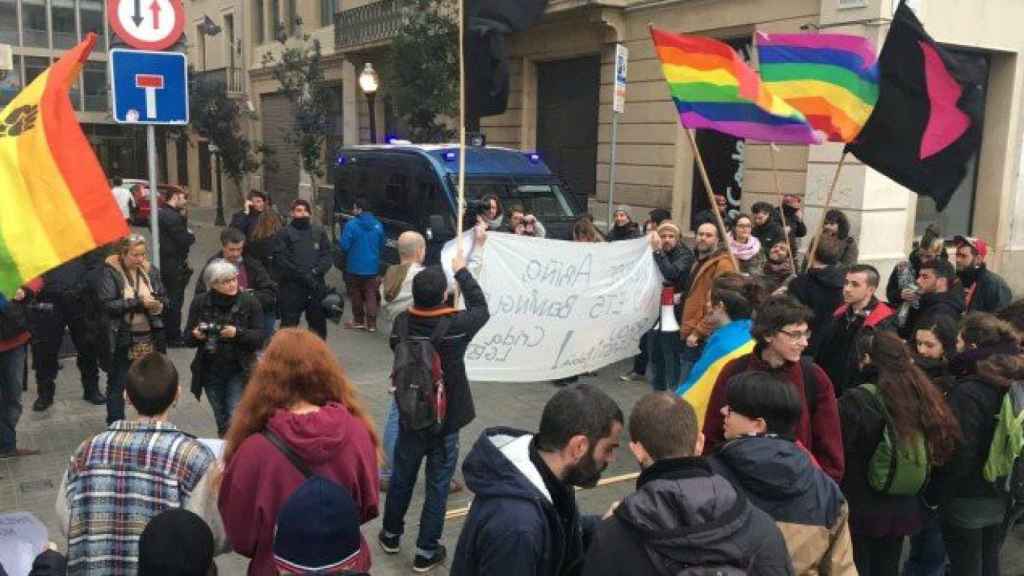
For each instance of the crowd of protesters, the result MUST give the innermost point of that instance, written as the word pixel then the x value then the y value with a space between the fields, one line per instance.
pixel 856 436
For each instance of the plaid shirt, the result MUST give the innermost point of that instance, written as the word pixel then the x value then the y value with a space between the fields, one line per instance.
pixel 117 481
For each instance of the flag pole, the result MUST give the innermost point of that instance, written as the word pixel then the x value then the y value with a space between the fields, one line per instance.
pixel 828 203
pixel 782 209
pixel 711 195
pixel 462 128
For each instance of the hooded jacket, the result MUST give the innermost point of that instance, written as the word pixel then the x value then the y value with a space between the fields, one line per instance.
pixel 702 278
pixel 819 431
pixel 685 519
pixel 949 303
pixel 821 290
pixel 259 478
pixel 362 242
pixel 780 478
pixel 513 528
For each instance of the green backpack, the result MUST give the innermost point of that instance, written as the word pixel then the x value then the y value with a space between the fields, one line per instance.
pixel 1004 467
pixel 895 469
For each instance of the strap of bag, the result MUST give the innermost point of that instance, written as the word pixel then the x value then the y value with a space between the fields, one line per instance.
pixel 440 330
pixel 288 453
pixel 810 384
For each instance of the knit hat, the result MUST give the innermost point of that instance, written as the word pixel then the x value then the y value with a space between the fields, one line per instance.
pixel 622 208
pixel 669 225
pixel 317 529
pixel 167 535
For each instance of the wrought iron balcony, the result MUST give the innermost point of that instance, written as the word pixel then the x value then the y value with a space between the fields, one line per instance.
pixel 230 78
pixel 368 24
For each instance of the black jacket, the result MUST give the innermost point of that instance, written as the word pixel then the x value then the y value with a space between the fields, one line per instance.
pixel 949 303
pixel 175 240
pixel 992 293
pixel 821 290
pixel 908 268
pixel 675 266
pixel 628 232
pixel 302 256
pixel 14 316
pixel 837 354
pixel 464 325
pixel 232 356
pixel 110 295
pixel 260 284
pixel 244 222
pixel 871 513
pixel 768 233
pixel 513 528
pixel 685 519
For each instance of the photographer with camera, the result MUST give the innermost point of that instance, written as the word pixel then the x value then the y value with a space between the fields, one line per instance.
pixel 226 325
pixel 61 303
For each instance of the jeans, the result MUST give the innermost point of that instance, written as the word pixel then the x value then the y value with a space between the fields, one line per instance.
pixel 390 439
pixel 973 551
pixel 665 349
pixel 442 453
pixel 877 556
pixel 269 326
pixel 12 378
pixel 927 550
pixel 115 384
pixel 362 291
pixel 224 395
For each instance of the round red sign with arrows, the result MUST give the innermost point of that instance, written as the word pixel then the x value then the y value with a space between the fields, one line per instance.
pixel 147 24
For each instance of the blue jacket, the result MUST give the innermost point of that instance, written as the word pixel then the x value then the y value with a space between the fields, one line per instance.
pixel 513 528
pixel 362 241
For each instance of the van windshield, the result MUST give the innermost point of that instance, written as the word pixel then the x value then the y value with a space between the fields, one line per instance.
pixel 546 200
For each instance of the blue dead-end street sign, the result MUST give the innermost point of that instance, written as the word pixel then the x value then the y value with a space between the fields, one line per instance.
pixel 149 87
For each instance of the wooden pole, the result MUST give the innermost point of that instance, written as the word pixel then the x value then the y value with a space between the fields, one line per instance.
pixel 462 128
pixel 711 196
pixel 782 209
pixel 456 513
pixel 828 203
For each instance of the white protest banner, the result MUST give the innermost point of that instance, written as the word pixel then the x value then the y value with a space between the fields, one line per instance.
pixel 22 538
pixel 559 308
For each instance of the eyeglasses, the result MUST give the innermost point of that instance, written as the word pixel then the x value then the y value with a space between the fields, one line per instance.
pixel 797 336
pixel 747 225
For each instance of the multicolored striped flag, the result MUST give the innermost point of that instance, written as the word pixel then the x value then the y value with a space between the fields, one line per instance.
pixel 831 78
pixel 55 202
pixel 713 88
pixel 726 343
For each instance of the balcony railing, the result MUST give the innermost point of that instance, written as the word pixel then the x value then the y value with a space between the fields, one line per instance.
pixel 368 24
pixel 230 78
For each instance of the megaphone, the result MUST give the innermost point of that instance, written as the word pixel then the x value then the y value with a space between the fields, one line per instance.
pixel 668 311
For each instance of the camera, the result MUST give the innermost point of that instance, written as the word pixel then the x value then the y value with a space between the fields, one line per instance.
pixel 212 332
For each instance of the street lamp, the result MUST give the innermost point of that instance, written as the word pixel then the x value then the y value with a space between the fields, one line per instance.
pixel 219 219
pixel 369 82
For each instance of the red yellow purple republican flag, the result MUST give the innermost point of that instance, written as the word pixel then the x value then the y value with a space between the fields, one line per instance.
pixel 55 203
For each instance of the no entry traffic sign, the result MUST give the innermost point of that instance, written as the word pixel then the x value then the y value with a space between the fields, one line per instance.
pixel 147 24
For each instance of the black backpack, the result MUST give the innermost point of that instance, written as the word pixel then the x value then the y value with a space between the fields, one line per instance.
pixel 418 378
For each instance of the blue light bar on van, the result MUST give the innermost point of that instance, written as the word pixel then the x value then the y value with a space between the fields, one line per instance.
pixel 341 160
pixel 450 156
pixel 533 157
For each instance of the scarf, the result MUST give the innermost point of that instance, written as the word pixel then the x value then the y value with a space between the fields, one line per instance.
pixel 137 286
pixel 745 250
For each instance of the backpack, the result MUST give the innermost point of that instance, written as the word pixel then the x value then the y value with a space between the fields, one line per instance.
pixel 418 378
pixel 1004 467
pixel 894 469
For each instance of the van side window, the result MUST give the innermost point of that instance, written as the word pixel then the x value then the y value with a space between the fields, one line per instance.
pixel 401 201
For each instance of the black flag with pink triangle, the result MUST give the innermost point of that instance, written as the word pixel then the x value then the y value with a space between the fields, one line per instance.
pixel 926 126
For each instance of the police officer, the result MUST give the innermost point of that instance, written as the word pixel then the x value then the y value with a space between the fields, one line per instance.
pixel 63 302
pixel 303 257
pixel 175 241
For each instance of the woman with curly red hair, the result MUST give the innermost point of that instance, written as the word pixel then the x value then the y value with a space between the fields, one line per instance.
pixel 298 394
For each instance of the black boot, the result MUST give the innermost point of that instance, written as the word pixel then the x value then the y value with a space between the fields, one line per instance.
pixel 42 403
pixel 92 395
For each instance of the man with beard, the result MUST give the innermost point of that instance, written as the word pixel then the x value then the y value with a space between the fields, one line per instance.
pixel 684 518
pixel 937 294
pixel 246 219
pixel 624 228
pixel 901 291
pixel 524 520
pixel 985 291
pixel 778 267
pixel 303 257
pixel 176 238
pixel 712 261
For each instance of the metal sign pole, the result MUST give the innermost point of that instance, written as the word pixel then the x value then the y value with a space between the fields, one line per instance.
pixel 611 172
pixel 618 107
pixel 154 221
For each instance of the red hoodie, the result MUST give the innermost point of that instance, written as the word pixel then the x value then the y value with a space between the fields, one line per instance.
pixel 258 480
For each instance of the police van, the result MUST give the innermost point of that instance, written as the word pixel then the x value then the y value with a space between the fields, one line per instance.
pixel 413 187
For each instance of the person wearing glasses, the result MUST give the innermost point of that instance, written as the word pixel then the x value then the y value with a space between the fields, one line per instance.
pixel 781 334
pixel 134 300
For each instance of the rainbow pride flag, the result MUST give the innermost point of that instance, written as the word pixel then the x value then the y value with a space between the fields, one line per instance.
pixel 55 203
pixel 713 88
pixel 831 78
pixel 726 343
